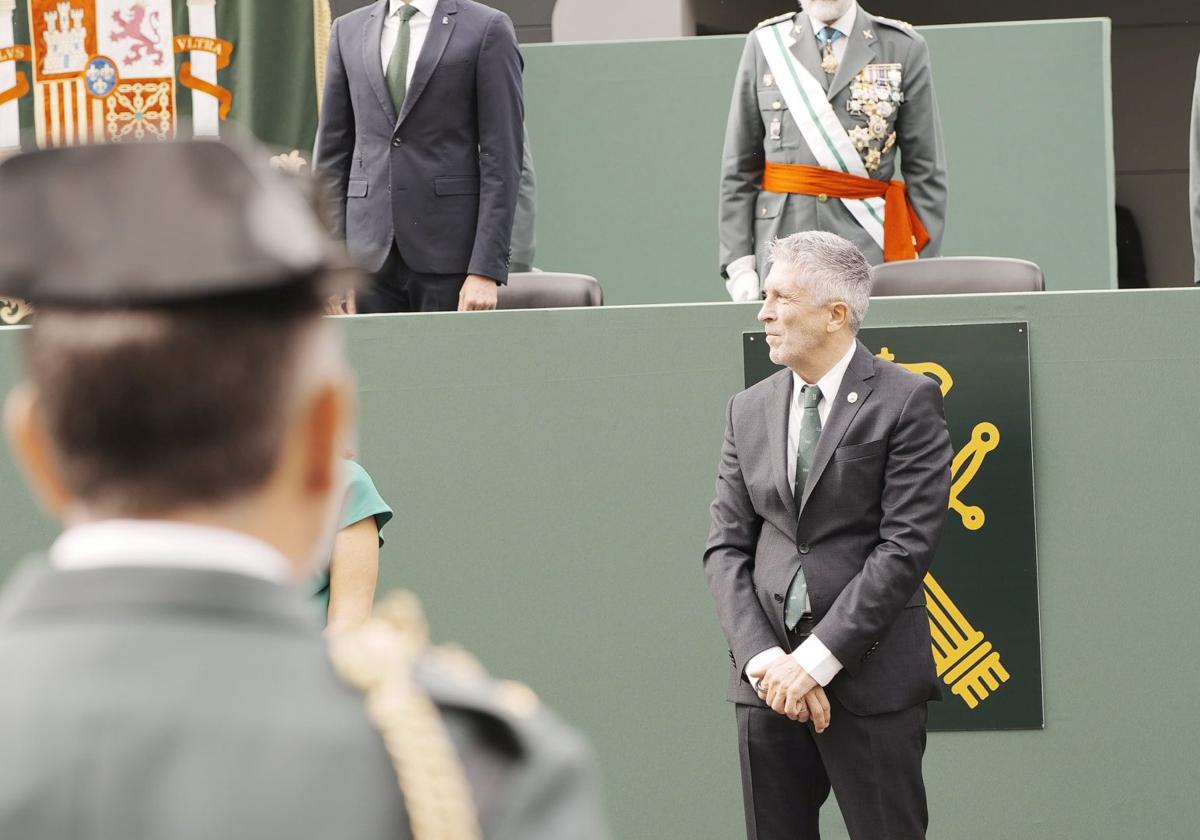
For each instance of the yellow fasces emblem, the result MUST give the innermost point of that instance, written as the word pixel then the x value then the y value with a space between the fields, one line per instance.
pixel 965 659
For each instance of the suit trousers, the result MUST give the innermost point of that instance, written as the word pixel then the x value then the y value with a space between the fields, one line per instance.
pixel 397 288
pixel 872 763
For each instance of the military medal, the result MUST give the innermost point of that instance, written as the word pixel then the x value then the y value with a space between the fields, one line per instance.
pixel 828 63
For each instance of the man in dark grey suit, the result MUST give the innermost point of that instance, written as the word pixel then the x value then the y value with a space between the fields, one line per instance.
pixel 421 134
pixel 185 415
pixel 831 496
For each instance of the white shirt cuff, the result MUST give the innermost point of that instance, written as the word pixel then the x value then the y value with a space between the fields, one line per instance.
pixel 762 661
pixel 815 658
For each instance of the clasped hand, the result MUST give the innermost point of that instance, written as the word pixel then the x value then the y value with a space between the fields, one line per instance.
pixel 791 691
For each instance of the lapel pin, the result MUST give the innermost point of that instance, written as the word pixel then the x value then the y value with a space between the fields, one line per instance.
pixel 445 20
pixel 868 34
pixel 852 397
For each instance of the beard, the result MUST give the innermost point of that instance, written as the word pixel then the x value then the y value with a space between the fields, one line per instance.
pixel 826 11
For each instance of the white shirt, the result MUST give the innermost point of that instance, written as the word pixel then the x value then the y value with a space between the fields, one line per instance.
pixel 812 655
pixel 162 544
pixel 418 29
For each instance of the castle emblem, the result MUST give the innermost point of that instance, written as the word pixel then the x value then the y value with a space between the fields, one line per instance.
pixel 66 39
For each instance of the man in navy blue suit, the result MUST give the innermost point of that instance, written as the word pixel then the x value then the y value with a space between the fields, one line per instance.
pixel 421 133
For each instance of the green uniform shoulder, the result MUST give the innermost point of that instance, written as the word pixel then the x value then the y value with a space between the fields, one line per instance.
pixel 786 16
pixel 901 25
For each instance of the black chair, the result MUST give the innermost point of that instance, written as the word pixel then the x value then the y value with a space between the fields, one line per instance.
pixel 956 276
pixel 549 290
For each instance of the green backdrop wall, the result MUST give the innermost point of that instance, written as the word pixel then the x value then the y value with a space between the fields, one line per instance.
pixel 551 473
pixel 627 142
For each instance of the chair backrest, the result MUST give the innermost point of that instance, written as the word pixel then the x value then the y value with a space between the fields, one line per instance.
pixel 956 276
pixel 549 290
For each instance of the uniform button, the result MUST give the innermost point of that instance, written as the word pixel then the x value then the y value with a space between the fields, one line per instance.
pixel 778 598
pixel 823 198
pixel 776 105
pixel 397 142
pixel 802 548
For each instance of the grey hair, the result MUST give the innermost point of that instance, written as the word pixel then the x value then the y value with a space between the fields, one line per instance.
pixel 831 269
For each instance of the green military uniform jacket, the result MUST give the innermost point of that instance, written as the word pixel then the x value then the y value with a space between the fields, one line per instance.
pixel 761 129
pixel 150 703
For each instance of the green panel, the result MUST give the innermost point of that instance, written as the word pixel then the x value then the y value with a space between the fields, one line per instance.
pixel 627 139
pixel 551 473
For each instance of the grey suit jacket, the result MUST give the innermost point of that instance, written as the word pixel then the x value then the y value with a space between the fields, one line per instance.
pixel 869 522
pixel 441 177
pixel 140 704
pixel 1195 176
pixel 751 218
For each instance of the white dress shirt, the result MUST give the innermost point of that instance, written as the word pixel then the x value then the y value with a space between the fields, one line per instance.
pixel 161 544
pixel 812 655
pixel 418 29
pixel 743 283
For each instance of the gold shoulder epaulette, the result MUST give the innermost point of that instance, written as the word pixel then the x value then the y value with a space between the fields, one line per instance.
pixel 378 659
pixel 777 19
pixel 902 25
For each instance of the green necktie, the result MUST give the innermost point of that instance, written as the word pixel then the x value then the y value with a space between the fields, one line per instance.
pixel 397 69
pixel 806 450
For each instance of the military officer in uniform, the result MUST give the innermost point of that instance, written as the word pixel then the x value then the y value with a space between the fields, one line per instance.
pixel 824 101
pixel 184 414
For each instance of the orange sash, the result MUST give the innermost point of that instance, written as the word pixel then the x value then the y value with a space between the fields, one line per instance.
pixel 903 232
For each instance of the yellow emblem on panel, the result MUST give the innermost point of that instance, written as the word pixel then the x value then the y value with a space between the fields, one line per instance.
pixel 965 659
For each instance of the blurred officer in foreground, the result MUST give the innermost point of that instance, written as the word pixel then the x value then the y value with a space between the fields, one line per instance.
pixel 185 410
pixel 824 100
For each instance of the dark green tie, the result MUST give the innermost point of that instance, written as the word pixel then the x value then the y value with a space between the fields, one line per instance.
pixel 806 450
pixel 397 70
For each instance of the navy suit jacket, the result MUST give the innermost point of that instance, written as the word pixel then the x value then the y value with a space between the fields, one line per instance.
pixel 441 177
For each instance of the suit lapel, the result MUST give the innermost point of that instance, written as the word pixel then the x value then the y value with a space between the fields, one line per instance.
pixel 373 59
pixel 805 49
pixel 777 423
pixel 431 53
pixel 841 414
pixel 859 53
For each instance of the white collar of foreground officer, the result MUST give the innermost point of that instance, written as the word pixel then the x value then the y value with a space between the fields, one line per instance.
pixel 831 382
pixel 425 7
pixel 164 544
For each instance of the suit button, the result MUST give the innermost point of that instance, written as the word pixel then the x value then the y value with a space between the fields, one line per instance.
pixel 778 598
pixel 802 548
pixel 823 198
pixel 397 143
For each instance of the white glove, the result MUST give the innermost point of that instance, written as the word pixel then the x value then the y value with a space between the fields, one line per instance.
pixel 742 284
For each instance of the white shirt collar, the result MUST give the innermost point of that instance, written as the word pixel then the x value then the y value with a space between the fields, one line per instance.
pixel 831 382
pixel 425 7
pixel 164 544
pixel 844 24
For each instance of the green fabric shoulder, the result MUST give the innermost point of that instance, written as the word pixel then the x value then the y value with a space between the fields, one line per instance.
pixel 899 25
pixel 777 19
pixel 362 500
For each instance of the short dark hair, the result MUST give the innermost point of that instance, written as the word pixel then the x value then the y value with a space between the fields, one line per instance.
pixel 152 410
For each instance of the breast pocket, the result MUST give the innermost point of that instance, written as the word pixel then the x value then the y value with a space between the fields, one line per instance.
pixel 858 451
pixel 779 129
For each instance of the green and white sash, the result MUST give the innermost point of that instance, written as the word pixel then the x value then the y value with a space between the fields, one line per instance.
pixel 818 124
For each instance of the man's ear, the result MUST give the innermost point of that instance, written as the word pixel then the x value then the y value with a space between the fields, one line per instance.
pixel 30 444
pixel 839 316
pixel 330 415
